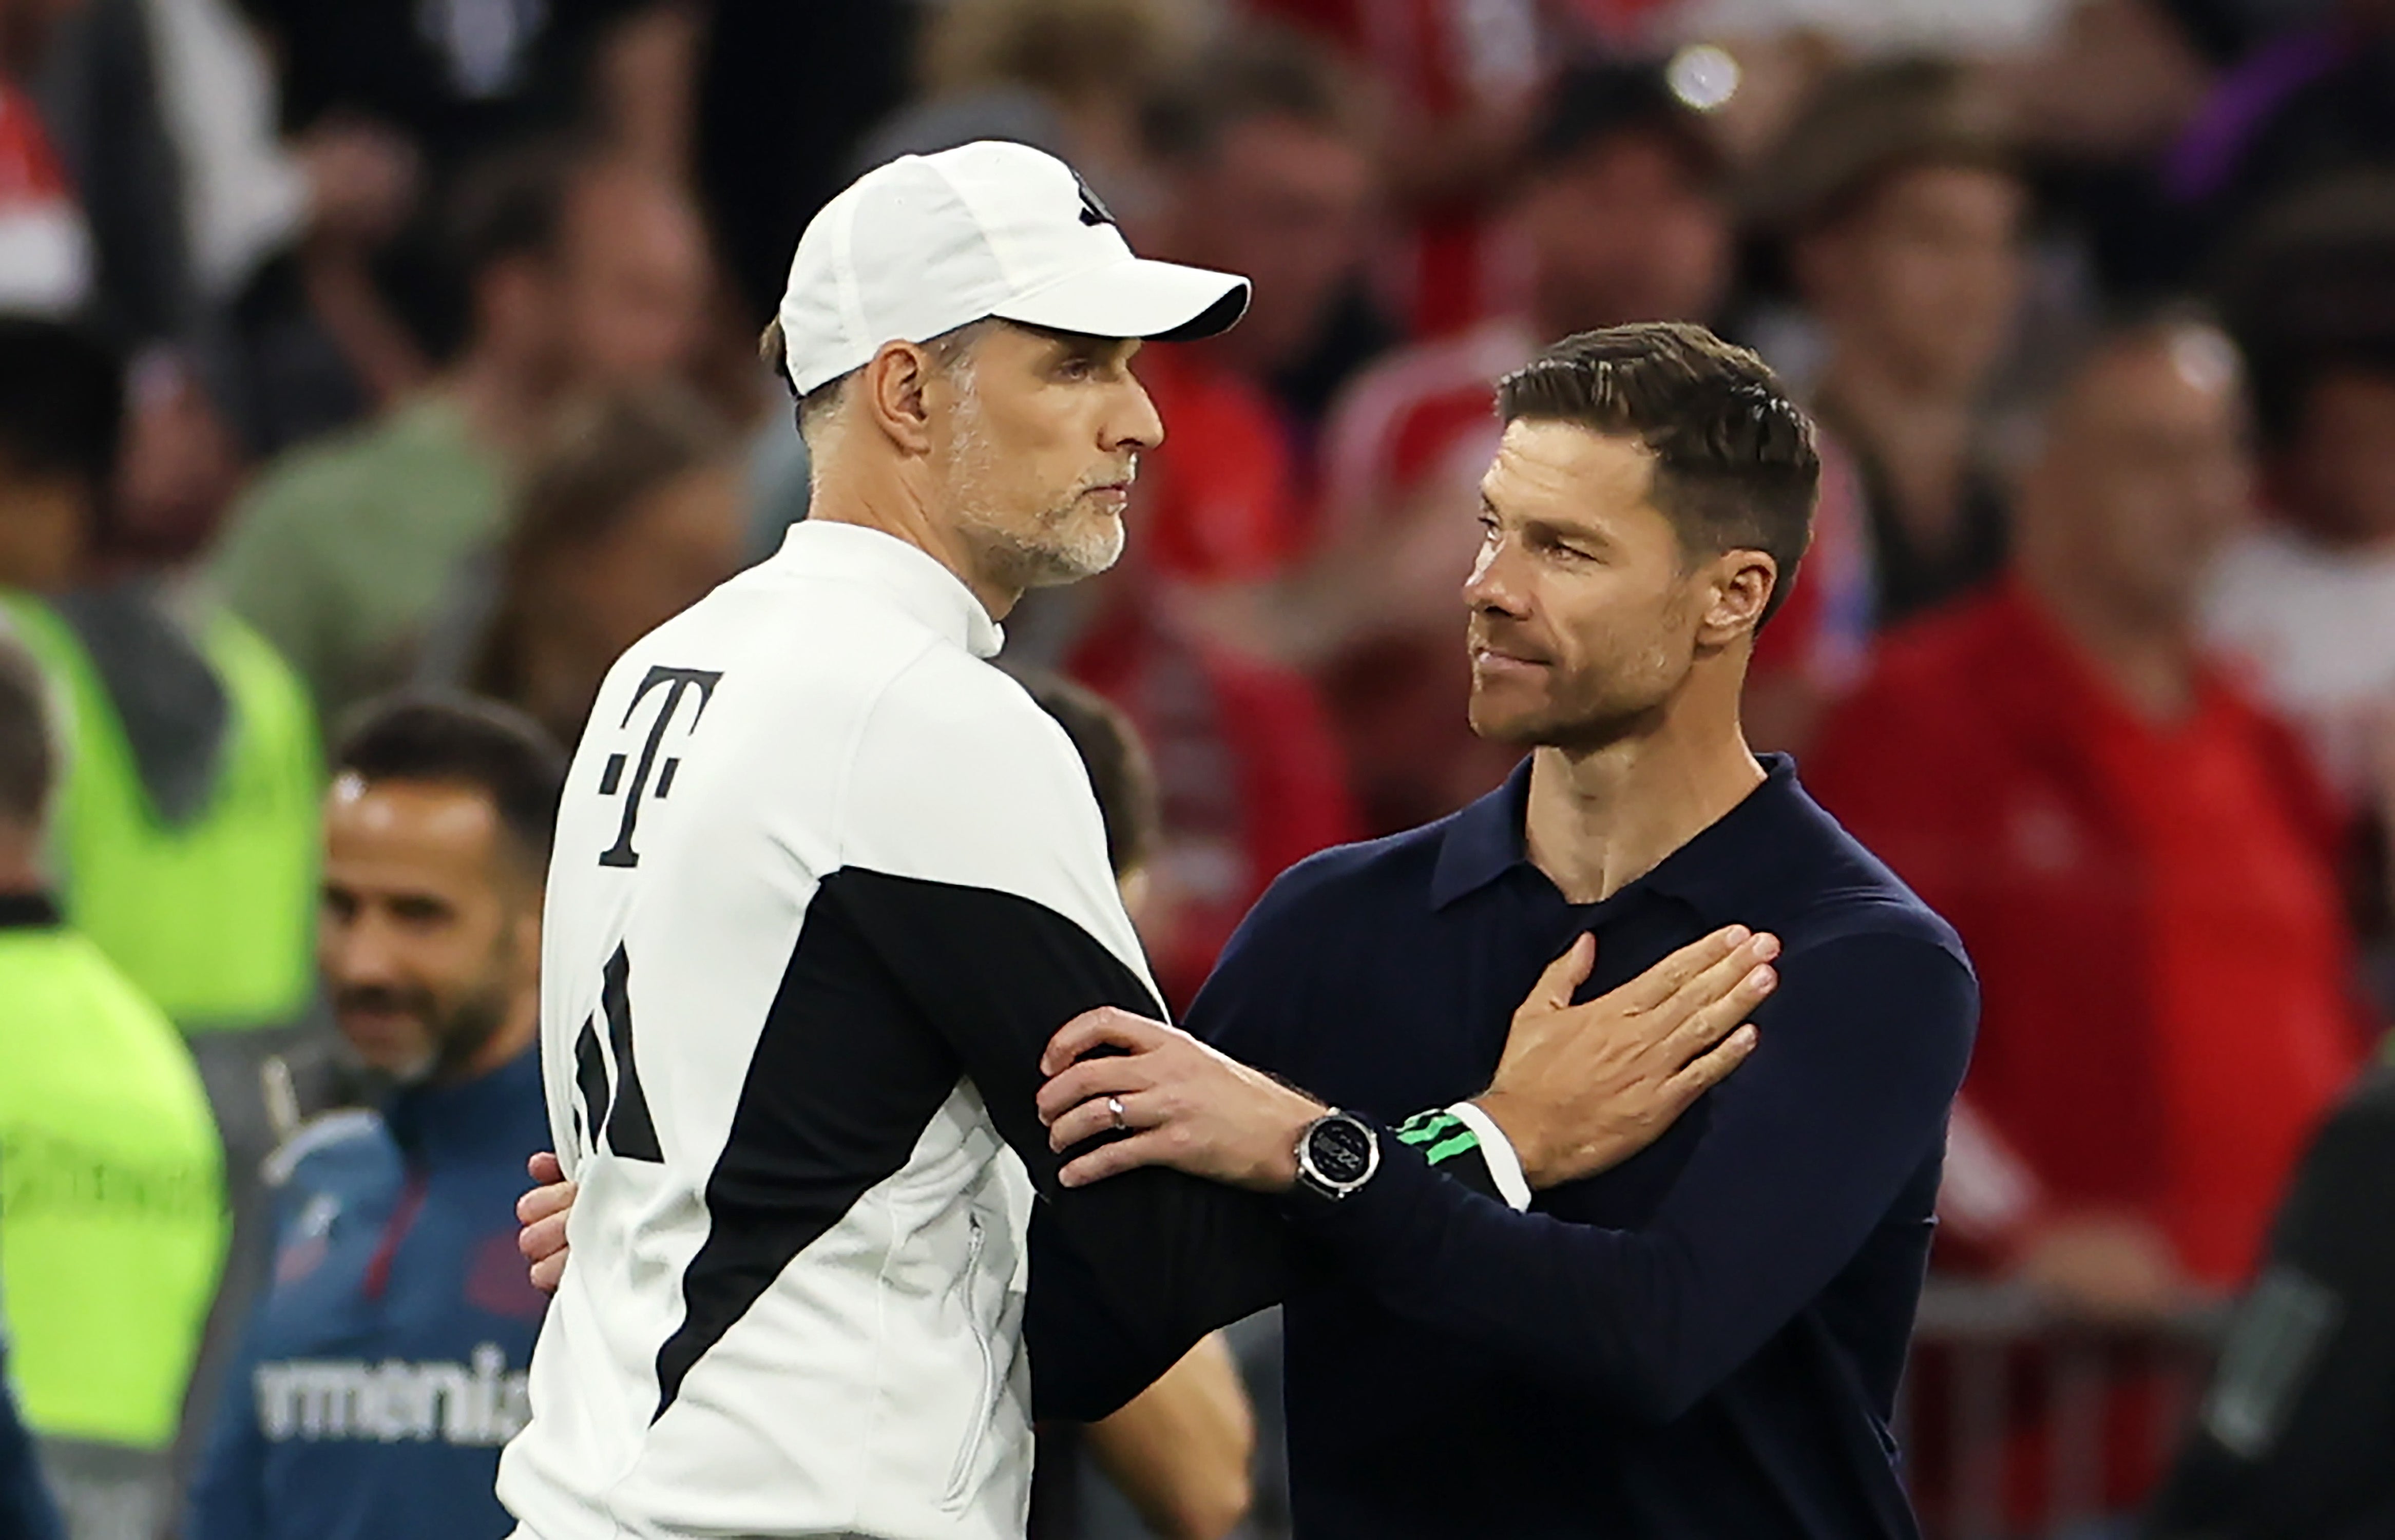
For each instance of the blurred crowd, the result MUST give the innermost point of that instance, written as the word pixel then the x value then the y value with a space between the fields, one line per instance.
pixel 412 344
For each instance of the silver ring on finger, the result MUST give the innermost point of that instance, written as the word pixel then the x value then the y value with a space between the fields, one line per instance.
pixel 1115 1109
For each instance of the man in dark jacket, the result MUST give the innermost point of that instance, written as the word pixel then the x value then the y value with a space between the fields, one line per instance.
pixel 386 1368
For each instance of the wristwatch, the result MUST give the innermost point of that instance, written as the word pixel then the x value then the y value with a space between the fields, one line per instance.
pixel 1337 1153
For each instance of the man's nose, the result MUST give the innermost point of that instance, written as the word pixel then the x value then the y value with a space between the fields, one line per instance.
pixel 358 950
pixel 1494 585
pixel 1133 423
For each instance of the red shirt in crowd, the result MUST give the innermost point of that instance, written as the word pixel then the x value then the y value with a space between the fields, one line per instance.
pixel 2163 960
pixel 2164 967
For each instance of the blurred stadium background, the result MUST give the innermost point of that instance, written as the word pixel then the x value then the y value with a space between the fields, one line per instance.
pixel 414 342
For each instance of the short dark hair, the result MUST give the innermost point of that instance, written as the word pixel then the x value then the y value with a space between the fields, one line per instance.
pixel 61 400
pixel 1736 463
pixel 506 204
pixel 1257 69
pixel 29 752
pixel 443 737
pixel 2304 293
pixel 512 202
pixel 1117 762
pixel 947 350
pixel 1595 101
pixel 1868 123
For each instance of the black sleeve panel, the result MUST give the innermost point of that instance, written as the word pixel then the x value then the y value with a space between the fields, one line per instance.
pixel 1163 1257
pixel 2293 1437
pixel 840 1085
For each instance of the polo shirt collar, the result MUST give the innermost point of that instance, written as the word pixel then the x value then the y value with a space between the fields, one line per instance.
pixel 1711 871
pixel 906 572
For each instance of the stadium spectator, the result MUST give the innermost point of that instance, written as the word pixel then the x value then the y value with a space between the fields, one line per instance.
pixel 1623 212
pixel 1261 170
pixel 631 514
pixel 112 1222
pixel 1903 219
pixel 2293 1437
pixel 454 79
pixel 2137 856
pixel 182 834
pixel 581 273
pixel 1461 84
pixel 2308 595
pixel 1095 63
pixel 386 1365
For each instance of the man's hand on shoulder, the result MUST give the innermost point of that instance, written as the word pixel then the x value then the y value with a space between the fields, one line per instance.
pixel 543 1212
pixel 1581 1088
pixel 1174 1100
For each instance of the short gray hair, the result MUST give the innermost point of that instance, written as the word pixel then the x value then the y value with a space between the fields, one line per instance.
pixel 950 350
pixel 29 752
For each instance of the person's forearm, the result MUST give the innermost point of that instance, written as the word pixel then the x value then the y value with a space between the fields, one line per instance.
pixel 1182 1449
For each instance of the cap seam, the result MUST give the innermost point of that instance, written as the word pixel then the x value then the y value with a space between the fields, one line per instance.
pixel 852 302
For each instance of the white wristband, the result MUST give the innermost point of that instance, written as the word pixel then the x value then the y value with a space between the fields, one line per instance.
pixel 1497 1152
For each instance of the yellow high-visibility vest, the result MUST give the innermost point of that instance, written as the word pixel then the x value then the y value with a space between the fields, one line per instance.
pixel 214 919
pixel 113 1222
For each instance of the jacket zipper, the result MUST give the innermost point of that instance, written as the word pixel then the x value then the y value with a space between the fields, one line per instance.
pixel 961 1476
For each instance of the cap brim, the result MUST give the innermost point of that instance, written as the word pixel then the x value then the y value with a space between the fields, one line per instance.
pixel 1162 301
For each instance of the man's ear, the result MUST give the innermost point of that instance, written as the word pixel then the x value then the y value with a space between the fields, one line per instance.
pixel 1739 585
pixel 891 394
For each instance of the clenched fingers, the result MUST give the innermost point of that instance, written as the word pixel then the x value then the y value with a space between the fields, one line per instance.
pixel 544 1168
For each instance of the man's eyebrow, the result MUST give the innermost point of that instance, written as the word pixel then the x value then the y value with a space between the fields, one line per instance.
pixel 1566 529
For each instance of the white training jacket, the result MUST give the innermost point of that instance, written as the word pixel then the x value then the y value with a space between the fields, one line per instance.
pixel 824 883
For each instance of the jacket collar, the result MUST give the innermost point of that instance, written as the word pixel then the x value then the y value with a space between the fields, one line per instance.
pixel 1713 871
pixel 907 573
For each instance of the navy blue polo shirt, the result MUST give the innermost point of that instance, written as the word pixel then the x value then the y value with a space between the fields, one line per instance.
pixel 1704 1341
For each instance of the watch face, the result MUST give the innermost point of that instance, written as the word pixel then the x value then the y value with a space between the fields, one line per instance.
pixel 1342 1150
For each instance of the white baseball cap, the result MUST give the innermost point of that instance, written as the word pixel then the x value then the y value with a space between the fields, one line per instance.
pixel 928 244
